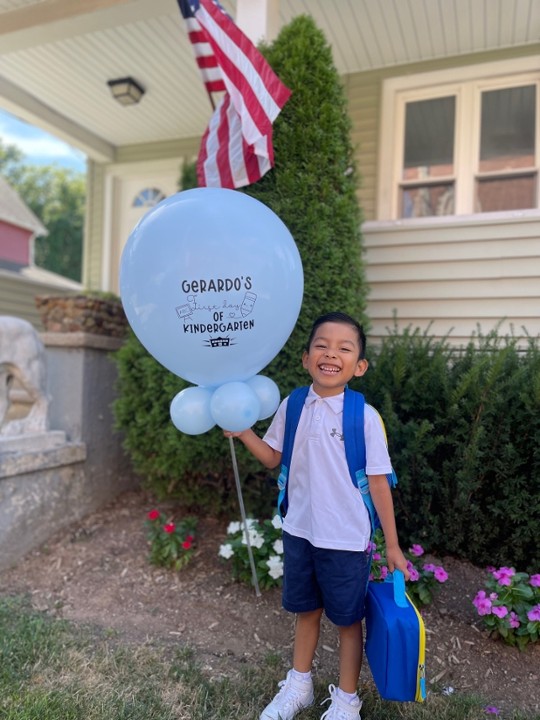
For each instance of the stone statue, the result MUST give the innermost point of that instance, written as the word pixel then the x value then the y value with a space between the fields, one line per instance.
pixel 22 363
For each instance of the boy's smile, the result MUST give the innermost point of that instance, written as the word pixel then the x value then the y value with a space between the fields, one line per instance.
pixel 333 358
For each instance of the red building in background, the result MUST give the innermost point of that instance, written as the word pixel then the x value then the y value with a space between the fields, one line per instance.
pixel 18 229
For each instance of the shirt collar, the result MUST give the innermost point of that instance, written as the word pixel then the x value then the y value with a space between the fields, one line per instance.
pixel 334 402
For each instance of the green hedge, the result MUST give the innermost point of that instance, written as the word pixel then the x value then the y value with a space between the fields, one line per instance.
pixel 463 428
pixel 464 433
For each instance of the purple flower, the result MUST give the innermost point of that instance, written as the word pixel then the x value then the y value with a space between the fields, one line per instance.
pixel 371 546
pixel 534 580
pixel 513 620
pixel 499 610
pixel 417 550
pixel 414 575
pixel 441 575
pixel 492 710
pixel 534 613
pixel 504 575
pixel 376 556
pixel 429 567
pixel 384 572
pixel 482 603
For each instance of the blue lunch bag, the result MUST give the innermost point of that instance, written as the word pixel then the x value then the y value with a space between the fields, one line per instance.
pixel 395 641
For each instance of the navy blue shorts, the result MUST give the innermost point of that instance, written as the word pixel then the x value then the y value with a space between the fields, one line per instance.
pixel 315 578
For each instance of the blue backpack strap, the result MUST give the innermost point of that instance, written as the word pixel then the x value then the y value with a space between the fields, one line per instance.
pixel 355 450
pixel 295 405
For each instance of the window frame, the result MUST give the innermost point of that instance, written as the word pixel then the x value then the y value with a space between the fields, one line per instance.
pixel 466 83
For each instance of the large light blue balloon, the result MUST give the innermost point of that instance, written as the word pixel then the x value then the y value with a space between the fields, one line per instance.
pixel 211 281
pixel 268 393
pixel 190 410
pixel 235 406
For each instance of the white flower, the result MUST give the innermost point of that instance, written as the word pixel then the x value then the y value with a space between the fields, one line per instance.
pixel 276 522
pixel 234 527
pixel 226 551
pixel 278 547
pixel 255 538
pixel 275 566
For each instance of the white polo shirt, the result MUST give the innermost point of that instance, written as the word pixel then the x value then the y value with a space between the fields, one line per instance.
pixel 325 507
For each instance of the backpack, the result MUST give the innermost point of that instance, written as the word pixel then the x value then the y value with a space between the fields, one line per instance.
pixel 355 447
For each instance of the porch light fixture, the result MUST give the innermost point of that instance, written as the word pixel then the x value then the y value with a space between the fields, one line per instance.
pixel 126 90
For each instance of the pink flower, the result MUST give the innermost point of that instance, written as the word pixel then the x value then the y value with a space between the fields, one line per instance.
pixel 169 528
pixel 504 575
pixel 414 575
pixel 534 614
pixel 153 515
pixel 491 569
pixel 534 580
pixel 440 574
pixel 429 567
pixel 187 543
pixel 513 620
pixel 417 550
pixel 376 556
pixel 482 603
pixel 384 572
pixel 499 610
pixel 492 710
pixel 371 546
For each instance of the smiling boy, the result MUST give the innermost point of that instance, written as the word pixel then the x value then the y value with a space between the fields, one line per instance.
pixel 326 530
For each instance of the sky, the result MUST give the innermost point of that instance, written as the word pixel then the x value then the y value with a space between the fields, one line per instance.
pixel 39 147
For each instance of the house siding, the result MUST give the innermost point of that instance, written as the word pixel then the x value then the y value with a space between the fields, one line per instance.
pixel 448 276
pixel 17 296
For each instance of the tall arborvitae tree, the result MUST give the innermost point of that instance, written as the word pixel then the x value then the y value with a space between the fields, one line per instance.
pixel 313 186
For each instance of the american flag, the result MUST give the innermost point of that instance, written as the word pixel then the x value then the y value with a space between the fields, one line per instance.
pixel 204 55
pixel 236 149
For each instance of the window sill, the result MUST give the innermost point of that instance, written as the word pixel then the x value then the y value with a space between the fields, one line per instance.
pixel 445 221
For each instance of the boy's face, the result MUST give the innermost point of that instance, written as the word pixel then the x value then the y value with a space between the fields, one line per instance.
pixel 333 358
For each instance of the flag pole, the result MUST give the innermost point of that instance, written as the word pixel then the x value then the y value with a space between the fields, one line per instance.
pixel 243 516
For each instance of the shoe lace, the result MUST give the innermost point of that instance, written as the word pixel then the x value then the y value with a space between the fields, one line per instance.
pixel 334 712
pixel 289 696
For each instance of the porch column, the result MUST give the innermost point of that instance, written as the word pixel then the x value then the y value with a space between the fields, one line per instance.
pixel 258 19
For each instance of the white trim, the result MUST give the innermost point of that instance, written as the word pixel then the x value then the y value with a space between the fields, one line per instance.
pixel 436 222
pixel 466 83
pixel 108 189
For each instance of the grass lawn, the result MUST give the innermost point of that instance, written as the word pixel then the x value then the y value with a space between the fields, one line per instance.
pixel 53 670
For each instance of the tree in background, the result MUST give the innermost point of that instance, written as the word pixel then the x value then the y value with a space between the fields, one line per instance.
pixel 313 186
pixel 313 190
pixel 57 197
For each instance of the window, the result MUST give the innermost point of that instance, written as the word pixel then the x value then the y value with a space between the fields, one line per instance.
pixel 148 198
pixel 460 146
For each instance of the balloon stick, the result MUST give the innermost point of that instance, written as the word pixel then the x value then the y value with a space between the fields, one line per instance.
pixel 243 516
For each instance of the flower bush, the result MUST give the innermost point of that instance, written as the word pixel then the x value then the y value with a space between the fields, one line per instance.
pixel 267 548
pixel 510 606
pixel 425 578
pixel 171 544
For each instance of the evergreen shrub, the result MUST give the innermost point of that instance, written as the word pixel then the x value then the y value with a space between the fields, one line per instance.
pixel 464 434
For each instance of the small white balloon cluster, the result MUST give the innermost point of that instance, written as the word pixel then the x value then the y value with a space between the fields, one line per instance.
pixel 233 406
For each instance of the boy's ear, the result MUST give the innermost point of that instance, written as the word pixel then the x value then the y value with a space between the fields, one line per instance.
pixel 304 359
pixel 361 368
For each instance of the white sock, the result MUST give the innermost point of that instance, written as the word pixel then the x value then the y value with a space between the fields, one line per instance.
pixel 351 698
pixel 303 677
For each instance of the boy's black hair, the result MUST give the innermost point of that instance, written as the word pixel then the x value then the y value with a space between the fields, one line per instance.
pixel 339 317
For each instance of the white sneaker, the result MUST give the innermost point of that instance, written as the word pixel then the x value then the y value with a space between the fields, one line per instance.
pixel 294 695
pixel 340 709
